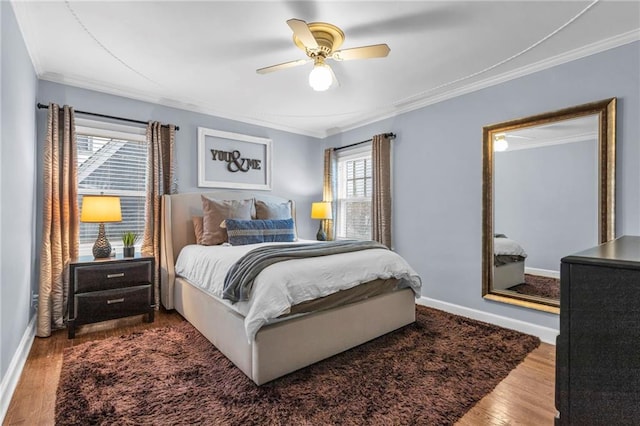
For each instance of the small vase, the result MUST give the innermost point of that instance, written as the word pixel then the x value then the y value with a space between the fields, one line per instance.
pixel 128 251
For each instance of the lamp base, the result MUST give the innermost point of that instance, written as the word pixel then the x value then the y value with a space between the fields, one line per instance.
pixel 102 247
pixel 321 235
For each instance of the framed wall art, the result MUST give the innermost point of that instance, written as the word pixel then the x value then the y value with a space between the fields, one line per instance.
pixel 232 160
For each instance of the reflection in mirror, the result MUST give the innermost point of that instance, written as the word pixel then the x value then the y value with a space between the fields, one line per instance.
pixel 548 192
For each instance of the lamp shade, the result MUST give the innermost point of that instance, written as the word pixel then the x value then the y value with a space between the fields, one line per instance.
pixel 321 210
pixel 100 209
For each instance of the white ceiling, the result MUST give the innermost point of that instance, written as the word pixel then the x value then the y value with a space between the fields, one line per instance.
pixel 202 56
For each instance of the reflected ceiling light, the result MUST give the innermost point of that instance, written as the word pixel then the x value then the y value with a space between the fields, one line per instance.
pixel 500 143
pixel 321 77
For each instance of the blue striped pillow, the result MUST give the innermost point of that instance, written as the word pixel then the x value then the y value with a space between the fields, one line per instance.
pixel 243 232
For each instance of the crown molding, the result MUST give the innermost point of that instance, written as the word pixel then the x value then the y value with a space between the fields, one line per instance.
pixel 393 110
pixel 426 100
pixel 584 137
pixel 172 103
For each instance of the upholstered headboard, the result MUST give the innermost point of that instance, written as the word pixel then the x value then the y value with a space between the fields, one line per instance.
pixel 177 229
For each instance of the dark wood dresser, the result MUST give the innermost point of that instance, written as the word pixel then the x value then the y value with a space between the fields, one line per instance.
pixel 598 349
pixel 105 289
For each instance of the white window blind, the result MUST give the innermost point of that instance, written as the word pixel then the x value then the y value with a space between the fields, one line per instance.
pixel 112 160
pixel 354 194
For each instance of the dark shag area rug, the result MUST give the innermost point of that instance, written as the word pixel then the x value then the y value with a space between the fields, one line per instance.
pixel 427 373
pixel 536 285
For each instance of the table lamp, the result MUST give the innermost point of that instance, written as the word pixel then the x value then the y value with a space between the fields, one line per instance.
pixel 101 209
pixel 321 210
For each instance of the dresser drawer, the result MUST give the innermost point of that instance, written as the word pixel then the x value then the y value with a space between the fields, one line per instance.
pixel 110 304
pixel 109 276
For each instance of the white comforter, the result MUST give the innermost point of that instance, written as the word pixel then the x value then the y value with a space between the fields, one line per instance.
pixel 284 284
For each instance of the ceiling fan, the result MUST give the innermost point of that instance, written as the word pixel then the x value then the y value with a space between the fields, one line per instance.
pixel 319 41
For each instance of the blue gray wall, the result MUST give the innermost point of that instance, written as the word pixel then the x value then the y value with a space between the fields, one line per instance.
pixel 437 204
pixel 546 199
pixel 297 160
pixel 17 188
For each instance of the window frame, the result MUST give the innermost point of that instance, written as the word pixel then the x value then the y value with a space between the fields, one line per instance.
pixel 104 129
pixel 342 157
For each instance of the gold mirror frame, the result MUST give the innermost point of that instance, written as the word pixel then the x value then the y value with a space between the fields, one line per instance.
pixel 606 112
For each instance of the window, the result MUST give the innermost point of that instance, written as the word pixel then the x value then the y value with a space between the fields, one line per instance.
pixel 112 160
pixel 354 194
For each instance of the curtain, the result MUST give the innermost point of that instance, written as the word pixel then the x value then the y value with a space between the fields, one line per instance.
pixel 60 220
pixel 381 201
pixel 329 190
pixel 160 181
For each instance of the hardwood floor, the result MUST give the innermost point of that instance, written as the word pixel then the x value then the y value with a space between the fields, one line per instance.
pixel 525 397
pixel 34 399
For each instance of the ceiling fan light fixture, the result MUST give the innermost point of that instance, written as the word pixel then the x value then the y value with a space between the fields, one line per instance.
pixel 320 41
pixel 321 77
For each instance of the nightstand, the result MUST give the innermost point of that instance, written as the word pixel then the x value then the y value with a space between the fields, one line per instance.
pixel 105 289
pixel 597 361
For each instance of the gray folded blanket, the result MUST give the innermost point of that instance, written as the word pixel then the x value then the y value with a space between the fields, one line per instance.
pixel 238 282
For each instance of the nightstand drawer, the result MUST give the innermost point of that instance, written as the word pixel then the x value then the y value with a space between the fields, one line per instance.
pixel 114 275
pixel 110 304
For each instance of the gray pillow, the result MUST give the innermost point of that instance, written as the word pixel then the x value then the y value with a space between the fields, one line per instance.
pixel 215 211
pixel 273 211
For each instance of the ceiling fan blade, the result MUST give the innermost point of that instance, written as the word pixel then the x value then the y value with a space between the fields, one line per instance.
pixel 364 52
pixel 282 66
pixel 302 31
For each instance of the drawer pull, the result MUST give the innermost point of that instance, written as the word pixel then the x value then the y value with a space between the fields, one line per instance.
pixel 121 274
pixel 112 301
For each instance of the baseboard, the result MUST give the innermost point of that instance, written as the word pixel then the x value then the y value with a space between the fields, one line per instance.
pixel 546 334
pixel 10 380
pixel 542 272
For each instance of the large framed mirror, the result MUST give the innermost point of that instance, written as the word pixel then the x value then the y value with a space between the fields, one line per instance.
pixel 548 191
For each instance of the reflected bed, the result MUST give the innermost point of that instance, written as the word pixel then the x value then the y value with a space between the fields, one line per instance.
pixel 508 263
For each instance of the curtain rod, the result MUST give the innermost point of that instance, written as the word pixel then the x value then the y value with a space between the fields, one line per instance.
pixel 389 135
pixel 130 120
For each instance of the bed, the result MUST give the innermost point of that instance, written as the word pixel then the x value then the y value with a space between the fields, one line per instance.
pixel 508 262
pixel 285 344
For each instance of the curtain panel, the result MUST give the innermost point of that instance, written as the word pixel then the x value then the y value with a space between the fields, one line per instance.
pixel 160 181
pixel 60 219
pixel 381 200
pixel 330 191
